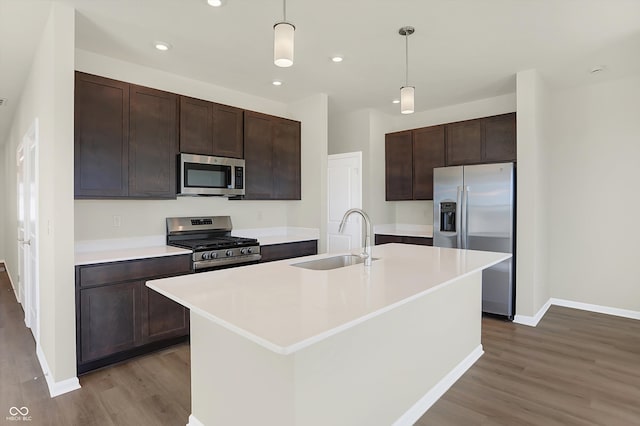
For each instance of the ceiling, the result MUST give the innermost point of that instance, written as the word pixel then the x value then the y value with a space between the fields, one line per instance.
pixel 462 50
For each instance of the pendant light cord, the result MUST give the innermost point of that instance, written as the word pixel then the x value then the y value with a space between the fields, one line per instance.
pixel 406 76
pixel 284 10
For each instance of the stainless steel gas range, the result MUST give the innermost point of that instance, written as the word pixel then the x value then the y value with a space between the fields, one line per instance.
pixel 211 241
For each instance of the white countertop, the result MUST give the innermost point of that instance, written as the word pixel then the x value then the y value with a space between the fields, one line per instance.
pixel 115 255
pixel 286 308
pixel 118 249
pixel 278 235
pixel 404 230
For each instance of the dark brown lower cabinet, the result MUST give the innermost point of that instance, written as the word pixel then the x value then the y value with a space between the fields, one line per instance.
pixel 119 317
pixel 288 250
pixel 403 239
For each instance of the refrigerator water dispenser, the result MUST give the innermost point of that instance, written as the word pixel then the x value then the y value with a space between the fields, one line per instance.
pixel 447 216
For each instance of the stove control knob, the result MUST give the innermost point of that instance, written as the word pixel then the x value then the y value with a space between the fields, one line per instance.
pixel 213 255
pixel 243 251
pixel 206 256
pixel 229 253
pixel 249 250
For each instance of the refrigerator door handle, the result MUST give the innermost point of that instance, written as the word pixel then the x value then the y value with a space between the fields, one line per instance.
pixel 465 218
pixel 459 229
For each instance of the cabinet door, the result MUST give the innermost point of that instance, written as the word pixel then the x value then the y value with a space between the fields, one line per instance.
pixel 101 144
pixel 500 138
pixel 258 156
pixel 162 318
pixel 286 159
pixel 399 166
pixel 428 153
pixel 109 322
pixel 227 131
pixel 464 142
pixel 196 126
pixel 288 250
pixel 386 239
pixel 153 143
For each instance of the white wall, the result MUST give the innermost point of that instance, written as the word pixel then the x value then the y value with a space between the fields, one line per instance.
pixel 94 218
pixel 364 130
pixel 48 96
pixel 4 206
pixel 593 185
pixel 311 212
pixel 532 284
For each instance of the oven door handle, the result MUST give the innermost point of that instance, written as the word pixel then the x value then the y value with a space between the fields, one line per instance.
pixel 208 264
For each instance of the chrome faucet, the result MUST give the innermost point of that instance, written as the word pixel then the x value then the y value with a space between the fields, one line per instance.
pixel 367 233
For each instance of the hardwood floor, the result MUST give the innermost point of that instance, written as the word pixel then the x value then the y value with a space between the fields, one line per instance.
pixel 149 390
pixel 574 368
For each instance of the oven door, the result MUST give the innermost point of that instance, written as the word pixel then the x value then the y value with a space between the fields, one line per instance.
pixel 206 175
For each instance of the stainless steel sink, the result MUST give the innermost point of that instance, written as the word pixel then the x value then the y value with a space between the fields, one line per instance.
pixel 334 262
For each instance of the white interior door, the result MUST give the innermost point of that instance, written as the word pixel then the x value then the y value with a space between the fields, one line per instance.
pixel 344 191
pixel 21 178
pixel 27 157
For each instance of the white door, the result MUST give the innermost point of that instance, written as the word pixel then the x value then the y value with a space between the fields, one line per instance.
pixel 28 228
pixel 21 168
pixel 344 191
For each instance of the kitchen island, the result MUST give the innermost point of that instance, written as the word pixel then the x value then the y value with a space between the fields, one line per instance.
pixel 277 344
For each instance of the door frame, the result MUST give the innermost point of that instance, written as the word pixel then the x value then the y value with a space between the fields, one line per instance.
pixel 347 155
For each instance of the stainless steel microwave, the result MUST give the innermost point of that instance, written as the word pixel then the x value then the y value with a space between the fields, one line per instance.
pixel 207 175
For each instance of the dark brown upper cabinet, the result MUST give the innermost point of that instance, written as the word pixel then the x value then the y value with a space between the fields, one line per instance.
pixel 428 153
pixel 464 142
pixel 209 128
pixel 410 157
pixel 483 140
pixel 500 138
pixel 153 143
pixel 126 140
pixel 101 137
pixel 398 158
pixel 272 156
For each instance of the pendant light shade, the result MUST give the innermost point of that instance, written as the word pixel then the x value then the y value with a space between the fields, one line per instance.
pixel 283 44
pixel 406 99
pixel 283 40
pixel 407 92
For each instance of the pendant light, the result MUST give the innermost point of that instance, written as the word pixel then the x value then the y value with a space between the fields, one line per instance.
pixel 283 40
pixel 407 92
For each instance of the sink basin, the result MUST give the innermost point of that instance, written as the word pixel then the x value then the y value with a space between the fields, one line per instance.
pixel 334 262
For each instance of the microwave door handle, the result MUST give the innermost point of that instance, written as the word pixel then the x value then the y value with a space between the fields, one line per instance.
pixel 459 218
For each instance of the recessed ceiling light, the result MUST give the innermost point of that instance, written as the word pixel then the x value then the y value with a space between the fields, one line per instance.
pixel 337 59
pixel 395 101
pixel 597 69
pixel 215 3
pixel 161 45
pixel 277 83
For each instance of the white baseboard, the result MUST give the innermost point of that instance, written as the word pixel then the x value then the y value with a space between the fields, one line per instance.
pixel 55 388
pixel 596 308
pixel 194 422
pixel 534 320
pixel 6 268
pixel 430 398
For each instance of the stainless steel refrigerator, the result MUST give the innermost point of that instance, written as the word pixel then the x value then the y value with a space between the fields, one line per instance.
pixel 474 208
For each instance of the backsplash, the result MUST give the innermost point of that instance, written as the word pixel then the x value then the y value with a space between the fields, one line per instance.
pixel 415 212
pixel 101 219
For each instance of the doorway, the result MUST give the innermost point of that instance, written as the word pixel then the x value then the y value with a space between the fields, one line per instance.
pixel 344 191
pixel 27 197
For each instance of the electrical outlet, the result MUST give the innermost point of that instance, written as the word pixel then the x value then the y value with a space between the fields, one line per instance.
pixel 117 221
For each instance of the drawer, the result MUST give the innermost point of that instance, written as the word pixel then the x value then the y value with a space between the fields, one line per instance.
pixel 141 269
pixel 288 250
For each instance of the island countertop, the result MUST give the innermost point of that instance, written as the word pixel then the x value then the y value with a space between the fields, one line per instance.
pixel 286 308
